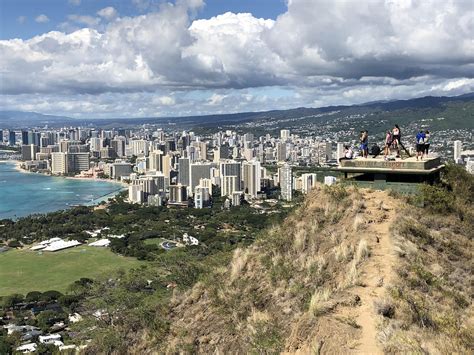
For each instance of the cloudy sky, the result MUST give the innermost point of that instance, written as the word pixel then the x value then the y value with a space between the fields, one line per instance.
pixel 141 58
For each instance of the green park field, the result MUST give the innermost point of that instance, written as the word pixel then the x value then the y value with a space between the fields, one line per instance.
pixel 25 270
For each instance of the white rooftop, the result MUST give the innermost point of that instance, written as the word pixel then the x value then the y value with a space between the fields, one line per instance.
pixel 100 243
pixel 62 244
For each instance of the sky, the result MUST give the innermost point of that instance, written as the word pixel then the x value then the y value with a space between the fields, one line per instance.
pixel 146 58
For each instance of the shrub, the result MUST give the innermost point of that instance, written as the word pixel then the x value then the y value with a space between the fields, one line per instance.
pixel 437 199
pixel 384 308
pixel 337 192
pixel 12 300
pixel 33 296
pixel 51 295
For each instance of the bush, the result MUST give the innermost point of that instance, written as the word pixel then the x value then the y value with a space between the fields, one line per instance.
pixel 33 296
pixel 384 308
pixel 437 199
pixel 51 295
pixel 14 244
pixel 12 300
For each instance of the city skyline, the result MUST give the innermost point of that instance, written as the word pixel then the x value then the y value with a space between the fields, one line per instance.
pixel 153 58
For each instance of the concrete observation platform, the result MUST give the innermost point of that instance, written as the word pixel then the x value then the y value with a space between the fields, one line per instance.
pixel 399 174
pixel 397 166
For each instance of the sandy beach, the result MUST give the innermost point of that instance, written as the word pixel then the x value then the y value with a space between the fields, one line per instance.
pixel 21 170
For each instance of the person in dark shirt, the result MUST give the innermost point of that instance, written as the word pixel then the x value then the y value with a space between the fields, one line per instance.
pixel 420 145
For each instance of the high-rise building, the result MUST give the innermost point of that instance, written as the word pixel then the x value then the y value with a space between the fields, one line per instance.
pixel 228 185
pixel 324 152
pixel 184 176
pixel 120 169
pixel 155 160
pixel 33 137
pixel 1 136
pixel 178 194
pixel 11 138
pixel 28 152
pixel 285 177
pixel 308 182
pixel 339 151
pixel 251 175
pixel 457 150
pixel 95 144
pixel 248 137
pixel 237 198
pixel 59 163
pixel 285 135
pixel 166 165
pixel 281 151
pixel 24 137
pixel 231 168
pixel 139 147
pixel 199 171
pixel 118 144
pixel 217 155
pixel 78 162
pixel 201 197
pixel 207 183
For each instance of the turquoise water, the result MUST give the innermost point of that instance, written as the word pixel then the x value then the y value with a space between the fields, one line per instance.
pixel 22 194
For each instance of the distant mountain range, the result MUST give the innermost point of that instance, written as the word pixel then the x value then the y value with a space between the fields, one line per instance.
pixel 20 119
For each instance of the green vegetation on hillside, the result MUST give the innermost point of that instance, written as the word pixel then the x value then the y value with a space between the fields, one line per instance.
pixel 22 271
pixel 271 282
pixel 432 299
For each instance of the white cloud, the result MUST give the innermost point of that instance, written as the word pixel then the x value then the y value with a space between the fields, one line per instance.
pixel 164 100
pixel 42 18
pixel 74 2
pixel 216 99
pixel 334 51
pixel 21 19
pixel 109 13
pixel 84 20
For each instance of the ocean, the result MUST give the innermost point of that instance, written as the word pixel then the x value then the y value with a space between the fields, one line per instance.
pixel 22 194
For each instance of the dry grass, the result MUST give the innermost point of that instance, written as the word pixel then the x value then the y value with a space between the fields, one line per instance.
pixel 359 223
pixel 343 252
pixel 430 306
pixel 363 251
pixel 238 263
pixel 277 294
pixel 318 302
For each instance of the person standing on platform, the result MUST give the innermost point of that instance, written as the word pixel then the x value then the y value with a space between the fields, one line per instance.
pixel 388 143
pixel 396 139
pixel 420 144
pixel 427 143
pixel 364 143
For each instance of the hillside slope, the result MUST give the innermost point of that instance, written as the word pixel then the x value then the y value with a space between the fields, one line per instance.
pixel 308 285
pixel 349 272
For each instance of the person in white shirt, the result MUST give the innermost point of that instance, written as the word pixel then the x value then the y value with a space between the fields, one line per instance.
pixel 427 142
pixel 348 153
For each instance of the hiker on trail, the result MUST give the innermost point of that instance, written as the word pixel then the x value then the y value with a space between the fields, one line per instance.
pixel 348 153
pixel 388 143
pixel 427 142
pixel 396 139
pixel 364 143
pixel 420 144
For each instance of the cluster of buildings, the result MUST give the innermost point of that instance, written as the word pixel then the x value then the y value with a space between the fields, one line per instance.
pixel 463 157
pixel 177 168
pixel 182 168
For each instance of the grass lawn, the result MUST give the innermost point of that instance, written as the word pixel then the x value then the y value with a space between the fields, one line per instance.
pixel 22 271
pixel 154 241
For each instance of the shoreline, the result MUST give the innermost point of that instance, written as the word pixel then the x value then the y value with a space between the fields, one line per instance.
pixel 21 170
pixel 15 166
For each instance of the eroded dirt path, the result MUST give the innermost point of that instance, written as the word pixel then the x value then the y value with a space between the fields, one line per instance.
pixel 378 271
